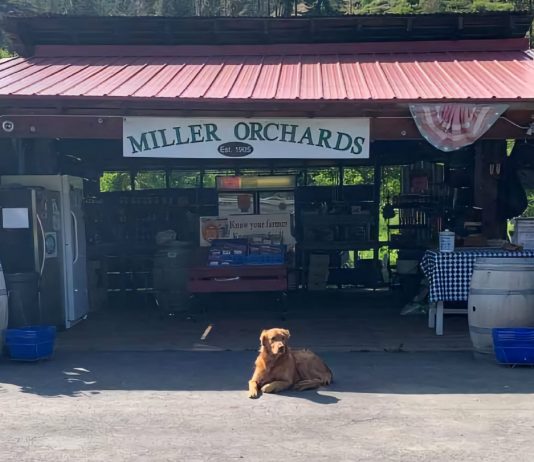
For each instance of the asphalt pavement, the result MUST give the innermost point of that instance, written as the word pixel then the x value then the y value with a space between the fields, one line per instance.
pixel 187 406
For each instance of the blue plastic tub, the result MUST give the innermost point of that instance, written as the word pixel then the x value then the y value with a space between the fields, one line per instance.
pixel 514 346
pixel 31 343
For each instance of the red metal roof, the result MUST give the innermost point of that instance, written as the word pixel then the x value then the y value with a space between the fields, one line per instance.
pixel 483 70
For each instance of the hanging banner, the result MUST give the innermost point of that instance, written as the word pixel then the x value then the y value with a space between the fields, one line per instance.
pixel 449 127
pixel 219 138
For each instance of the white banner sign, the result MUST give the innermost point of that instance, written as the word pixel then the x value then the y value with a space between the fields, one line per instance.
pixel 207 138
pixel 273 227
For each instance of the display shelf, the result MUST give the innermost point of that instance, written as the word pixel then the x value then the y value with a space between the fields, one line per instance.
pixel 136 217
pixel 415 205
pixel 408 226
pixel 338 245
pixel 126 269
pixel 409 245
pixel 335 220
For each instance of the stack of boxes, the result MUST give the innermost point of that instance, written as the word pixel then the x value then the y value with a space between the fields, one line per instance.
pixel 227 252
pixel 224 252
pixel 523 234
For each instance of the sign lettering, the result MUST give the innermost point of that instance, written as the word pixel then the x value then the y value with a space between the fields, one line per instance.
pixel 273 226
pixel 261 139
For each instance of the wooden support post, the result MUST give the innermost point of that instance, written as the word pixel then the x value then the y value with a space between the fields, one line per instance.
pixel 486 186
pixel 377 186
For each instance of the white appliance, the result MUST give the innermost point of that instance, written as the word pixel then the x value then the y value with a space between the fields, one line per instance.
pixel 74 269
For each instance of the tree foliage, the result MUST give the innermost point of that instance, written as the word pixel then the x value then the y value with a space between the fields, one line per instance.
pixel 253 7
pixel 115 181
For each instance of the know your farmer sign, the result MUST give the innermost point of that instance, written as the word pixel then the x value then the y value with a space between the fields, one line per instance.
pixel 216 138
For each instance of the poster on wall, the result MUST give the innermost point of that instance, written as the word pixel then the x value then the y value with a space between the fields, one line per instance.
pixel 271 229
pixel 219 138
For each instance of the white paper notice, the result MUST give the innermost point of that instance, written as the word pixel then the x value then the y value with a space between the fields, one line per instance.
pixel 16 218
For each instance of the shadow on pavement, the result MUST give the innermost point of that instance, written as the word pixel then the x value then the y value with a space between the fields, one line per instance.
pixel 321 396
pixel 85 374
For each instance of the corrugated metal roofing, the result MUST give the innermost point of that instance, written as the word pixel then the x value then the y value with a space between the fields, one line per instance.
pixel 276 75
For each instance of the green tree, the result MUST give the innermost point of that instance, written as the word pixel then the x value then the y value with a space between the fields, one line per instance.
pixel 323 176
pixel 12 7
pixel 150 179
pixel 173 8
pixel 485 5
pixel 433 6
pixel 17 7
pixel 323 7
pixel 387 6
pixel 115 181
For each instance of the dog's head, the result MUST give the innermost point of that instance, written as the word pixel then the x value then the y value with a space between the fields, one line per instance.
pixel 274 341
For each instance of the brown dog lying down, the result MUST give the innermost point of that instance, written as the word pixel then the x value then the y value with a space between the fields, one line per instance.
pixel 279 368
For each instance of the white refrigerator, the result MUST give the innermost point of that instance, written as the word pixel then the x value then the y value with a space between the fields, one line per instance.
pixel 74 268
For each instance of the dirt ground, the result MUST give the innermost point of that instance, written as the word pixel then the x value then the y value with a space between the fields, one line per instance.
pixel 192 406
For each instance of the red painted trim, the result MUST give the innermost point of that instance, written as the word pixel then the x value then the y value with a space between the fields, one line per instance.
pixel 130 105
pixel 251 279
pixel 232 271
pixel 287 49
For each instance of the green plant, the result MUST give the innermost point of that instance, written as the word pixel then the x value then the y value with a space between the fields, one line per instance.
pixel 115 181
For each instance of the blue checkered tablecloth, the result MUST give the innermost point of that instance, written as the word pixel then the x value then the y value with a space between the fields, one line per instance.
pixel 449 274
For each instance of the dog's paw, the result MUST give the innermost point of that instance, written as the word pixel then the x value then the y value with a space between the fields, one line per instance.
pixel 268 388
pixel 253 392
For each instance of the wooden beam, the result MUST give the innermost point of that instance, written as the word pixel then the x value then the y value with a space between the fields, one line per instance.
pixel 147 106
pixel 334 49
pixel 80 127
pixel 405 129
pixel 105 127
pixel 110 106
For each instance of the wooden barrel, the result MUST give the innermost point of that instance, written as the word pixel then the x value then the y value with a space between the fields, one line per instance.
pixel 501 295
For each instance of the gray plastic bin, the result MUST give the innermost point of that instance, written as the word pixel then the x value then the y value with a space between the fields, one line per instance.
pixel 23 291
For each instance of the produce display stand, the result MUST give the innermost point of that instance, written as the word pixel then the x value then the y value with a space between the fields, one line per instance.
pixel 204 280
pixel 253 262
